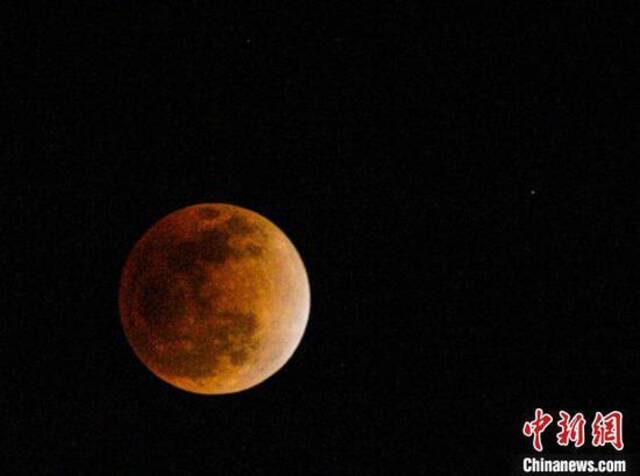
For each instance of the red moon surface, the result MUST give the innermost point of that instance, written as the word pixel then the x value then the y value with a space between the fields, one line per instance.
pixel 214 299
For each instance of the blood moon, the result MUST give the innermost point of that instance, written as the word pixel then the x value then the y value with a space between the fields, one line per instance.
pixel 214 298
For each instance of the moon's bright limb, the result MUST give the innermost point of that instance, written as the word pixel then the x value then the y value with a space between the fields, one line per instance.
pixel 214 299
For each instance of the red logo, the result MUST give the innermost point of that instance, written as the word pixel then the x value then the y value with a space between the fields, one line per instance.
pixel 605 429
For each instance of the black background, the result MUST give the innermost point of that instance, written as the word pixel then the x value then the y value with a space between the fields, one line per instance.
pixel 458 184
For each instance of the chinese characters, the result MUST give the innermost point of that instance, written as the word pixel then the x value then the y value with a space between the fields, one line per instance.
pixel 605 429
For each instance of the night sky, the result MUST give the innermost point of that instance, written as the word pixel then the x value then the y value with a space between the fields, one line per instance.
pixel 458 185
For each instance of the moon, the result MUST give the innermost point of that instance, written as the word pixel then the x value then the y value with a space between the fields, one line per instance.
pixel 214 299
